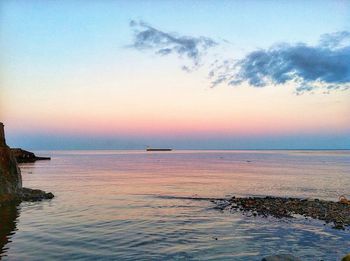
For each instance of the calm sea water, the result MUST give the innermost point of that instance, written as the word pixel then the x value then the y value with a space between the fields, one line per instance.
pixel 126 205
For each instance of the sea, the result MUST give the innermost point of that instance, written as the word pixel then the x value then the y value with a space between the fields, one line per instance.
pixel 136 205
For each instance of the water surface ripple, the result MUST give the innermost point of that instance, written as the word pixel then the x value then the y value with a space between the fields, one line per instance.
pixel 134 205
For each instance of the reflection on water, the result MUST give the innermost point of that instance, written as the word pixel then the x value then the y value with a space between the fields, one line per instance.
pixel 132 205
pixel 8 221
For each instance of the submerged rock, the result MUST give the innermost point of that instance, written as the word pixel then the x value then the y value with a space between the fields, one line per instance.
pixel 346 258
pixel 27 194
pixel 282 257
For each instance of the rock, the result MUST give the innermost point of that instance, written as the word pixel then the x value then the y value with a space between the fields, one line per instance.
pixel 24 156
pixel 10 174
pixel 27 194
pixel 330 212
pixel 339 225
pixel 11 190
pixel 346 258
pixel 281 257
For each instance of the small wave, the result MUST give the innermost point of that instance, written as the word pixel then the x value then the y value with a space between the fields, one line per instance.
pixel 187 197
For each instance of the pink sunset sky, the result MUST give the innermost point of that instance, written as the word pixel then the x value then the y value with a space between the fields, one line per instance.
pixel 91 76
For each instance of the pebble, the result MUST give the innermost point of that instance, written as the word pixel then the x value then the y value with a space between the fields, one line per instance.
pixel 328 211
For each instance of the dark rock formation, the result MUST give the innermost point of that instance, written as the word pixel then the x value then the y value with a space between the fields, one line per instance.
pixel 24 156
pixel 10 174
pixel 27 194
pixel 11 180
pixel 283 257
pixel 331 212
pixel 346 258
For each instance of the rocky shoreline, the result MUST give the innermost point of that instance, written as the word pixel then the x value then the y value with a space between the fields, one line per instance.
pixel 11 190
pixel 25 194
pixel 24 156
pixel 336 213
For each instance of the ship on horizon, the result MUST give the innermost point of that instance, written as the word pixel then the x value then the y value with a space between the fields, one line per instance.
pixel 158 149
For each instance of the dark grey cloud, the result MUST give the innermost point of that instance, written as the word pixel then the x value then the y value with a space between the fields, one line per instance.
pixel 325 66
pixel 163 43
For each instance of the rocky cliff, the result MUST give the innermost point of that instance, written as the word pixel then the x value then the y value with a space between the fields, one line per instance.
pixel 10 174
pixel 11 180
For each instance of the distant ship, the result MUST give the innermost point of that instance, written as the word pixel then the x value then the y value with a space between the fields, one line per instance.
pixel 158 149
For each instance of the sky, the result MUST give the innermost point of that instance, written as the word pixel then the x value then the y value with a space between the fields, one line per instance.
pixel 181 74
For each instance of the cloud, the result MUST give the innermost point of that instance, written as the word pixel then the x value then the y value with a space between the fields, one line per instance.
pixel 335 40
pixel 325 66
pixel 162 43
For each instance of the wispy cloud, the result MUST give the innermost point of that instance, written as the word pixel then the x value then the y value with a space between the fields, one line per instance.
pixel 325 66
pixel 335 40
pixel 162 43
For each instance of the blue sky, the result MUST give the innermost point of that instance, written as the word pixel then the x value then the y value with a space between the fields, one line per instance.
pixel 72 64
